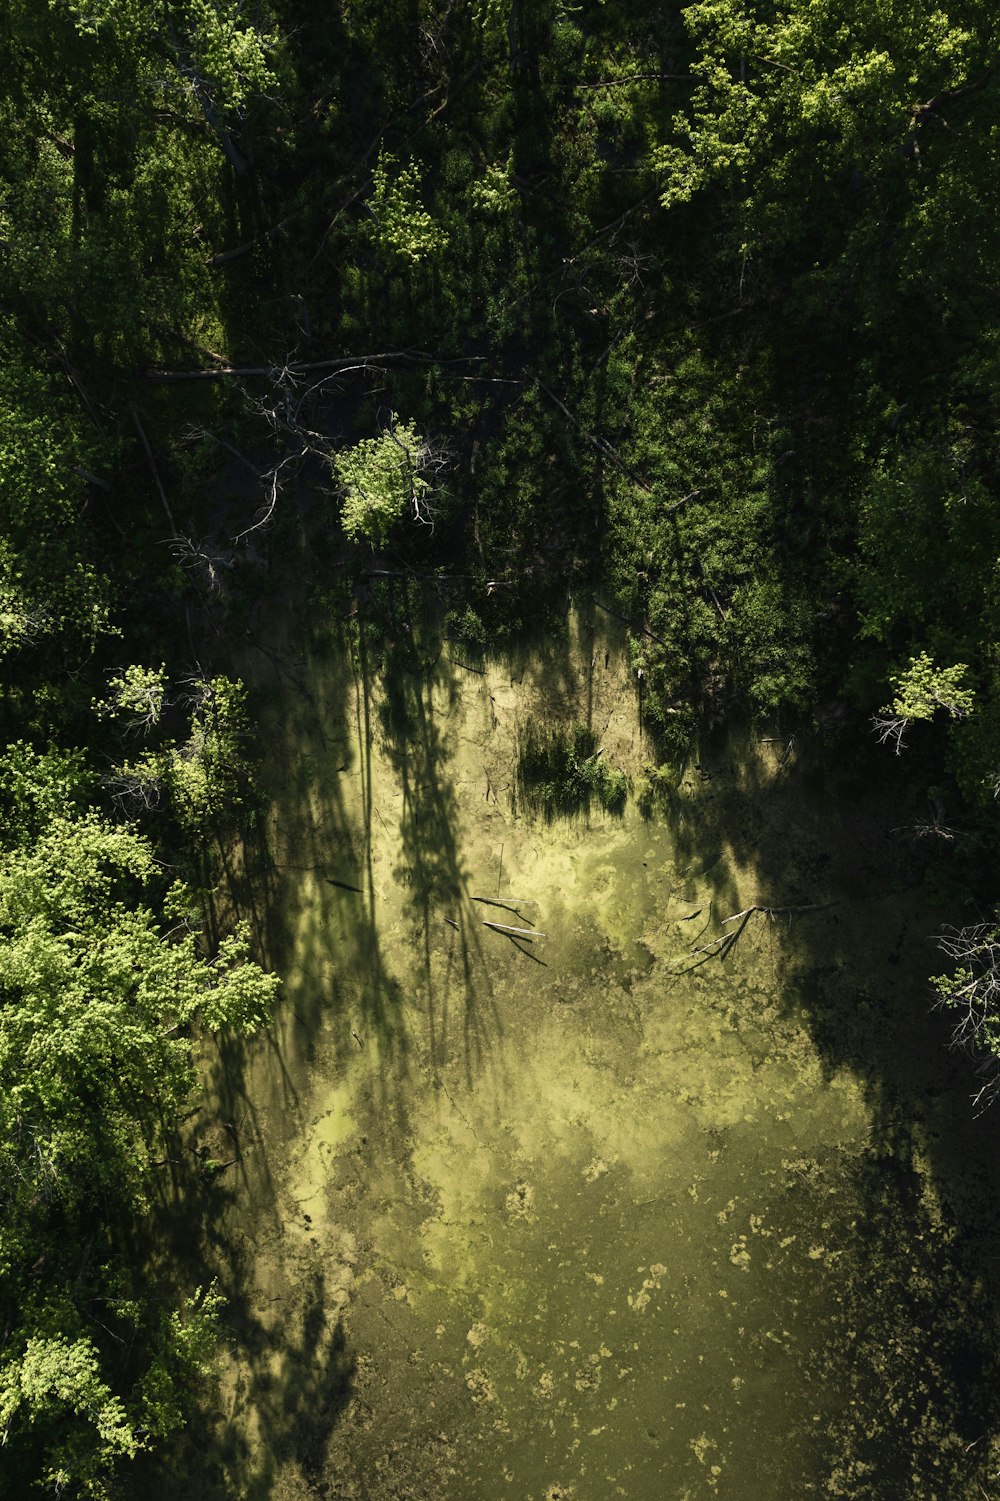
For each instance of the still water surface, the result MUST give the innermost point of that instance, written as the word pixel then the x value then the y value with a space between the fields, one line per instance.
pixel 583 1216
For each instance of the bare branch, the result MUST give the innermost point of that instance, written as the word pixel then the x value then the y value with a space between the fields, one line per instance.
pixel 132 791
pixel 890 731
pixel 300 367
pixel 204 559
pixel 972 992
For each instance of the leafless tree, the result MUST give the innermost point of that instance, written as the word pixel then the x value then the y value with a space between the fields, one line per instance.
pixel 283 408
pixel 935 826
pixel 973 990
pixel 987 1069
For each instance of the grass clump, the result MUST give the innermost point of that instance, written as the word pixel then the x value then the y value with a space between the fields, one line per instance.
pixel 560 772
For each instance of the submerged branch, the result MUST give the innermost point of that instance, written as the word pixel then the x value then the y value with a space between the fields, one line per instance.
pixel 722 946
pixel 508 906
pixel 499 927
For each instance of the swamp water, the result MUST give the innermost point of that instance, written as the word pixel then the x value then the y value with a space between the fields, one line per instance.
pixel 581 1217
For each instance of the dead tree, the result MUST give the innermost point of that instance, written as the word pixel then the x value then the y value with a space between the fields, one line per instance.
pixel 206 561
pixel 972 992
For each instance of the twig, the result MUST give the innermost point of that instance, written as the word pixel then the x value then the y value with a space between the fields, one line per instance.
pixel 223 256
pixel 92 479
pixel 772 62
pixel 602 446
pixel 512 902
pixel 489 901
pixel 632 625
pixel 692 494
pixel 780 911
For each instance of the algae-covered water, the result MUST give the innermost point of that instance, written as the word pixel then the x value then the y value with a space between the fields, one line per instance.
pixel 589 1211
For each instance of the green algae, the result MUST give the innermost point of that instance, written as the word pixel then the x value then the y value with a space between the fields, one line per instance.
pixel 584 1214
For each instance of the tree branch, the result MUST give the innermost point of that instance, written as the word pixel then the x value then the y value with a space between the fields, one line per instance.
pixel 152 464
pixel 300 367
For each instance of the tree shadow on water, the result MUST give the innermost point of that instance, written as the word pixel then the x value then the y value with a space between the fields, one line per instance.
pixel 416 688
pixel 263 1427
pixel 913 1332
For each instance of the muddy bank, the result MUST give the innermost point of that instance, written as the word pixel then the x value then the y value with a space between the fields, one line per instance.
pixel 582 1210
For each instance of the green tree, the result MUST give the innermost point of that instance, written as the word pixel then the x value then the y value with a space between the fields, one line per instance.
pixel 790 101
pixel 384 479
pixel 204 774
pixel 401 226
pixel 53 594
pixel 98 997
pixel 122 152
pixel 921 690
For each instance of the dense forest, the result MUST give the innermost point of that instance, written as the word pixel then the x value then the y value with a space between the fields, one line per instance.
pixel 689 310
